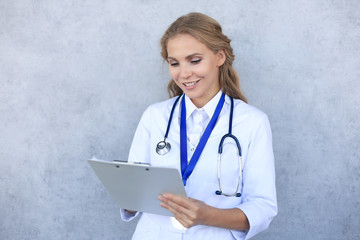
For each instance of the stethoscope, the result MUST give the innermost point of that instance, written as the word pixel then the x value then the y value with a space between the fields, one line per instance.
pixel 164 147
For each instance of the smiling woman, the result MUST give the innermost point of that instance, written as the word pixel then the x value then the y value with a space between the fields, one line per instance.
pixel 211 110
pixel 194 68
pixel 209 32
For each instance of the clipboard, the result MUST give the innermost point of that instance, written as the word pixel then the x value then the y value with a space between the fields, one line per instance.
pixel 137 186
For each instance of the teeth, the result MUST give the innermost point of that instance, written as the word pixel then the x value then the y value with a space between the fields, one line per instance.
pixel 190 84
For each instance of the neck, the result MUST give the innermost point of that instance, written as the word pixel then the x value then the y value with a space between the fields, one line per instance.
pixel 201 102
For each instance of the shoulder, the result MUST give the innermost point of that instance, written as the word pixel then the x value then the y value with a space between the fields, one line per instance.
pixel 157 113
pixel 250 121
pixel 249 118
pixel 252 113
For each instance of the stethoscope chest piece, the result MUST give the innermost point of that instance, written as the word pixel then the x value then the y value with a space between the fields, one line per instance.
pixel 163 147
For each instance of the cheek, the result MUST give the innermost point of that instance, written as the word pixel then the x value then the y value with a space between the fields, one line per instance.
pixel 178 84
pixel 212 71
pixel 203 70
pixel 173 73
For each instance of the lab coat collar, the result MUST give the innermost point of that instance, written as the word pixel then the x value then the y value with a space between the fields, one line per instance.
pixel 209 108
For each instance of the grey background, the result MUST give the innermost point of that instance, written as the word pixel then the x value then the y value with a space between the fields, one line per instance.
pixel 75 77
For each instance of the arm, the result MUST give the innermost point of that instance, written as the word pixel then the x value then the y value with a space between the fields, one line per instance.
pixel 259 201
pixel 190 212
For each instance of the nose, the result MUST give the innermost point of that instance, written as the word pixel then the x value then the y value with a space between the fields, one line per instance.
pixel 185 72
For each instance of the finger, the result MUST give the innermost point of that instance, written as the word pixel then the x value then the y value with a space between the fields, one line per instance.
pixel 130 211
pixel 186 208
pixel 179 200
pixel 175 207
pixel 177 214
pixel 179 206
pixel 181 217
pixel 191 206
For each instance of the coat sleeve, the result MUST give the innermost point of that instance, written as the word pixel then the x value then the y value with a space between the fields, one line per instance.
pixel 139 151
pixel 259 201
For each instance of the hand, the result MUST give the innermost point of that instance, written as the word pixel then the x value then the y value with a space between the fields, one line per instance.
pixel 130 211
pixel 188 211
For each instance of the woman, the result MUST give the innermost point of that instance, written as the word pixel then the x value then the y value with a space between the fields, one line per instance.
pixel 210 105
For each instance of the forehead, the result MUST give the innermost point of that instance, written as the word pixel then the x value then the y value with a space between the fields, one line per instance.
pixel 184 44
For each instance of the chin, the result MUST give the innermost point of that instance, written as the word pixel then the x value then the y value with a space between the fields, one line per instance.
pixel 191 94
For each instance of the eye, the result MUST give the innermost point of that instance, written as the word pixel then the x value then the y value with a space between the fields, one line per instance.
pixel 196 61
pixel 173 63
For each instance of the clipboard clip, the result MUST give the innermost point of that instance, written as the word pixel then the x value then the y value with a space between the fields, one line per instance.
pixel 137 163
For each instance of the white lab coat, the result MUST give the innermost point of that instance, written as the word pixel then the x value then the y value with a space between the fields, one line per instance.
pixel 258 200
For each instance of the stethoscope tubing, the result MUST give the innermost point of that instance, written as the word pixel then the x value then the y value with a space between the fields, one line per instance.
pixel 171 115
pixel 220 150
pixel 164 147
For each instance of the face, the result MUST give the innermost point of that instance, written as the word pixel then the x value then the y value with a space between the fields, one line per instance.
pixel 194 68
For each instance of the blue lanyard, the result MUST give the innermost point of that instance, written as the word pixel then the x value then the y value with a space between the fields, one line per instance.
pixel 186 169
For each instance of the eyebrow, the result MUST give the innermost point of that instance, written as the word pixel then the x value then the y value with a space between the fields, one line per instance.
pixel 187 57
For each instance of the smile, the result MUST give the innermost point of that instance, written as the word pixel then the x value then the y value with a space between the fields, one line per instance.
pixel 191 83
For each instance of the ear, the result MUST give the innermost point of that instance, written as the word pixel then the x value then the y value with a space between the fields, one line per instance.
pixel 221 57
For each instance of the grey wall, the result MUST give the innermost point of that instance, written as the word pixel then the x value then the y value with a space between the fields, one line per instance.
pixel 75 77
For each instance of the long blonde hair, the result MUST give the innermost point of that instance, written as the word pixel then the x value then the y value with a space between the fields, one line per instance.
pixel 209 32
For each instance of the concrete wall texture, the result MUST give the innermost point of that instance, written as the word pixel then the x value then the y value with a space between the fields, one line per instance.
pixel 75 77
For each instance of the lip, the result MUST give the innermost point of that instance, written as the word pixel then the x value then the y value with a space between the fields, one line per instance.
pixel 192 86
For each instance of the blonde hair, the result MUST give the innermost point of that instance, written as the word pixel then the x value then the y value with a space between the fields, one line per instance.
pixel 208 31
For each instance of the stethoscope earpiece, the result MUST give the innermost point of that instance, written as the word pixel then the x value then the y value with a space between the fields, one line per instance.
pixel 218 192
